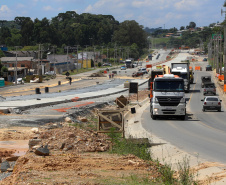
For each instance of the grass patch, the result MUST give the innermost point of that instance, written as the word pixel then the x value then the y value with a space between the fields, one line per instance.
pixel 122 146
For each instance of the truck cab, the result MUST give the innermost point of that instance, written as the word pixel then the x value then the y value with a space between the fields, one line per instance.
pixel 182 70
pixel 167 97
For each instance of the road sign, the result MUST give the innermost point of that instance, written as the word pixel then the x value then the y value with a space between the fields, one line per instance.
pixel 217 37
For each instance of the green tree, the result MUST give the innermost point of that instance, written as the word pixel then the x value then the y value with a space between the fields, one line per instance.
pixel 130 32
pixel 4 34
pixel 1 55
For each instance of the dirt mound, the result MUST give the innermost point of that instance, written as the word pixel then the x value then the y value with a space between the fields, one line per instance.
pixel 97 75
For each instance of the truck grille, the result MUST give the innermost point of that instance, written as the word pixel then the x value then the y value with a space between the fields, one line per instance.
pixel 166 111
pixel 169 101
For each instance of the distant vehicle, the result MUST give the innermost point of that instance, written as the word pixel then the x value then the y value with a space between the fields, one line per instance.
pixel 139 64
pixel 129 62
pixel 138 73
pixel 211 103
pixel 107 64
pixel 144 70
pixel 123 67
pixel 50 73
pixel 157 57
pixel 19 81
pixel 205 59
pixel 205 79
pixel 135 64
pixel 150 57
pixel 208 68
pixel 182 70
pixel 209 88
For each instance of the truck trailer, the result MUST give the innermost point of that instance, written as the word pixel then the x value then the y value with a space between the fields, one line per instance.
pixel 167 97
pixel 182 70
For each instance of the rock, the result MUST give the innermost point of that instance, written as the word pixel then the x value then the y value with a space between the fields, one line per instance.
pixel 35 130
pixel 61 146
pixel 42 151
pixel 36 146
pixel 69 147
pixel 83 119
pixel 10 169
pixel 34 142
pixel 71 135
pixel 4 166
pixel 67 119
pixel 14 158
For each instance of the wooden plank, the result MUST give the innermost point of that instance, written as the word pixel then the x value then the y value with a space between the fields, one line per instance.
pixel 110 121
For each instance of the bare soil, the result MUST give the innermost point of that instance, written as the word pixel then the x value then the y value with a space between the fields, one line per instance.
pixel 83 159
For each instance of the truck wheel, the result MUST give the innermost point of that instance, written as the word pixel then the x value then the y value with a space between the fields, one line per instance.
pixel 183 117
pixel 219 110
pixel 153 116
pixel 203 110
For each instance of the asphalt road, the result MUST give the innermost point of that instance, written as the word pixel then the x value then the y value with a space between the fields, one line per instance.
pixel 202 133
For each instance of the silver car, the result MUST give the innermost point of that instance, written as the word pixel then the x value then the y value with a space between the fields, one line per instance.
pixel 211 103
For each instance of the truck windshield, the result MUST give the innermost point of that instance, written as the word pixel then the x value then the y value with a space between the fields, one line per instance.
pixel 184 75
pixel 169 86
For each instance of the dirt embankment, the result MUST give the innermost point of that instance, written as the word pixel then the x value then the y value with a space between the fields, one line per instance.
pixel 77 155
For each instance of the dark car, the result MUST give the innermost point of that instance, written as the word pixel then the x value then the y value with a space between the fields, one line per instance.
pixel 205 79
pixel 208 68
pixel 205 59
pixel 209 88
pixel 138 73
pixel 211 103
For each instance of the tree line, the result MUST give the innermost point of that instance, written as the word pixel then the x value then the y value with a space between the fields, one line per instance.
pixel 71 29
pixel 189 37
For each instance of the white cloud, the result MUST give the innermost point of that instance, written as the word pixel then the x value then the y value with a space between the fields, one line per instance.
pixel 5 13
pixel 187 5
pixel 47 8
pixel 4 9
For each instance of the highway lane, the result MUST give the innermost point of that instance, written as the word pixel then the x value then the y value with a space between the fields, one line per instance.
pixel 202 133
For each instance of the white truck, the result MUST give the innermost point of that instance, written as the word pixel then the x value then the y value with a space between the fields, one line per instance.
pixel 167 97
pixel 182 70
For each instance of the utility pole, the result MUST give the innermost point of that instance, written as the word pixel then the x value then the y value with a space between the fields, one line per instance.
pixel 224 58
pixel 94 56
pixel 86 57
pixel 102 54
pixel 67 59
pixel 77 57
pixel 15 68
pixel 54 65
pixel 107 54
pixel 82 58
pixel 220 52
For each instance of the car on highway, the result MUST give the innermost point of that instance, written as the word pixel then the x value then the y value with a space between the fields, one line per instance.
pixel 134 64
pixel 211 103
pixel 208 68
pixel 144 70
pixel 139 64
pixel 138 73
pixel 209 88
pixel 50 73
pixel 107 64
pixel 123 67
pixel 205 79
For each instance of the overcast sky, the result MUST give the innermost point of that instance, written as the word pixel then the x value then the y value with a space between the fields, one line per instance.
pixel 149 13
